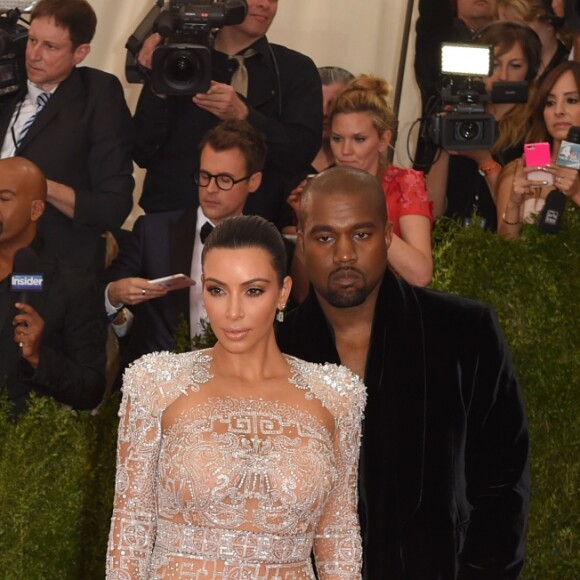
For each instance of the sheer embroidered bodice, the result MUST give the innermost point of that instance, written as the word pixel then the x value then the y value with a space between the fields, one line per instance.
pixel 213 486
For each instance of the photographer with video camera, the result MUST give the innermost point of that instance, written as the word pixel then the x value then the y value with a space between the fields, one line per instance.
pixel 277 90
pixel 462 180
pixel 441 21
pixel 532 194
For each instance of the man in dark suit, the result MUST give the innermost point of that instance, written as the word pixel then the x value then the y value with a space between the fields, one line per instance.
pixel 75 125
pixel 231 159
pixel 283 100
pixel 51 341
pixel 444 471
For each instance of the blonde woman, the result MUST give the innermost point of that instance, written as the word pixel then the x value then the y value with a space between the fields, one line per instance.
pixel 361 128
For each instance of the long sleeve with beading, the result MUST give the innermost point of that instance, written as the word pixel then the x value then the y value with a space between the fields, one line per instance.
pixel 133 524
pixel 337 543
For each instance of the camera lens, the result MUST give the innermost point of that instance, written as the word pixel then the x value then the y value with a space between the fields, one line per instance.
pixel 469 130
pixel 181 67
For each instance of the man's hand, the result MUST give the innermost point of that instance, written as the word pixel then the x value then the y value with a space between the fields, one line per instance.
pixel 28 327
pixel 145 56
pixel 222 101
pixel 133 291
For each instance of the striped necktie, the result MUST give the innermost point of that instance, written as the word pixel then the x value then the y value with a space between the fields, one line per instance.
pixel 41 100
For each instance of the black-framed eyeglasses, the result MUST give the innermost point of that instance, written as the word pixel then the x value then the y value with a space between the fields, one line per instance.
pixel 224 181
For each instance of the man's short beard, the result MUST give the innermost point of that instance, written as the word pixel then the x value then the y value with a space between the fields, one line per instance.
pixel 347 300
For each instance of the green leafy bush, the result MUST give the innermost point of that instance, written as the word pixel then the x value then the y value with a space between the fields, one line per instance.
pixel 57 470
pixel 534 285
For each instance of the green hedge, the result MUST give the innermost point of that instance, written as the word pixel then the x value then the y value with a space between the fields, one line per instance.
pixel 57 470
pixel 534 285
pixel 57 466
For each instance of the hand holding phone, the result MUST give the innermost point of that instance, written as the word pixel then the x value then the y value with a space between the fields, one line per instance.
pixel 538 155
pixel 175 282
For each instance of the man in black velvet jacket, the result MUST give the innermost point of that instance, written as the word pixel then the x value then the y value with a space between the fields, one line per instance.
pixel 444 471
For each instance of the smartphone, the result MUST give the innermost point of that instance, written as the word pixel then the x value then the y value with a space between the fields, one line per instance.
pixel 175 282
pixel 538 155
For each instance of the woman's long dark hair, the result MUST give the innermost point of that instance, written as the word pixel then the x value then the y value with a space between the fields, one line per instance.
pixel 538 130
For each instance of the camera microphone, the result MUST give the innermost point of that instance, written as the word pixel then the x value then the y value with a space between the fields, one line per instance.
pixel 26 275
pixel 552 214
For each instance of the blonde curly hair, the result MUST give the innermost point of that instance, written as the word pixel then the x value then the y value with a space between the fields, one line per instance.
pixel 367 94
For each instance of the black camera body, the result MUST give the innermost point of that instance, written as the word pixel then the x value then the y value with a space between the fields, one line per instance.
pixel 182 63
pixel 467 125
pixel 13 39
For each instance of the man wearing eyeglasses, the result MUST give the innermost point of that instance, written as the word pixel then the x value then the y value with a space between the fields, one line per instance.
pixel 232 156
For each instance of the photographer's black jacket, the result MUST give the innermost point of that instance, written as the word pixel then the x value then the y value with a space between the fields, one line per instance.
pixel 285 103
pixel 444 467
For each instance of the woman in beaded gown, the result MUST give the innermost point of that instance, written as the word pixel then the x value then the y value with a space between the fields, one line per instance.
pixel 238 462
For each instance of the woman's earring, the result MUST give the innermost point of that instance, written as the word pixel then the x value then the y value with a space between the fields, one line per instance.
pixel 280 313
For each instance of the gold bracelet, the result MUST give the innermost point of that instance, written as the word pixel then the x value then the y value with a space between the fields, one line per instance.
pixel 518 223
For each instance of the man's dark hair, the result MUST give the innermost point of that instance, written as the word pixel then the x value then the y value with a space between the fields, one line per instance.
pixel 238 135
pixel 77 16
pixel 249 231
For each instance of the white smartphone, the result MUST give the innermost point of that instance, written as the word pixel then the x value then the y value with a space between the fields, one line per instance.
pixel 175 282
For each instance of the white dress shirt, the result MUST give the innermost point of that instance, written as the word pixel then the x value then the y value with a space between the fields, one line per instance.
pixel 197 310
pixel 24 110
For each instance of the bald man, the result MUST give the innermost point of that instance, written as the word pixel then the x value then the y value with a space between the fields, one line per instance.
pixel 444 472
pixel 52 340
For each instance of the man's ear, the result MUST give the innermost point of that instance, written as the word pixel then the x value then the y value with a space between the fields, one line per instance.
pixel 81 52
pixel 36 209
pixel 255 181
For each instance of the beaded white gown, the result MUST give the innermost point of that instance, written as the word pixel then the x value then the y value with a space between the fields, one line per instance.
pixel 236 488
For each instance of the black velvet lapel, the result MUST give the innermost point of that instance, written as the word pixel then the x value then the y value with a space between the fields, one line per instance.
pixel 396 382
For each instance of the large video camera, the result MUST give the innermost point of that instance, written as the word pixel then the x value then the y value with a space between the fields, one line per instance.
pixel 460 121
pixel 13 39
pixel 182 63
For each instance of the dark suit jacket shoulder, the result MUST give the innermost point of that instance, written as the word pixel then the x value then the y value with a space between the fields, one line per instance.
pixel 82 138
pixel 161 245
